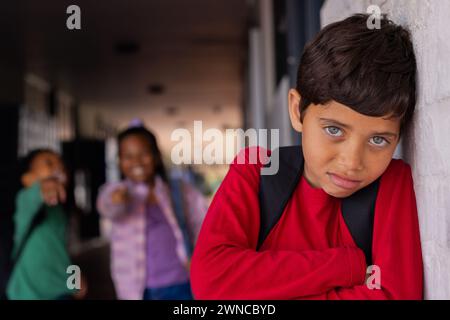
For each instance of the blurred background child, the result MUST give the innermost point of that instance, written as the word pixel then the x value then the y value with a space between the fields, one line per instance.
pixel 40 252
pixel 154 223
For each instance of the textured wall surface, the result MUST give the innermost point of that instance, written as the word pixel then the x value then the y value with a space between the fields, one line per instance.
pixel 427 145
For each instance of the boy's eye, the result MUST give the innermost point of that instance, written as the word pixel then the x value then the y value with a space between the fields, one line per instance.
pixel 333 131
pixel 378 141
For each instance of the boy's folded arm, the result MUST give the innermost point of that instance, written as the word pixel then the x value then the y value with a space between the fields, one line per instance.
pixel 106 207
pixel 227 266
pixel 238 273
pixel 395 283
pixel 396 247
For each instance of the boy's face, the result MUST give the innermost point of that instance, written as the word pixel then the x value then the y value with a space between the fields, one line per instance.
pixel 344 150
pixel 43 166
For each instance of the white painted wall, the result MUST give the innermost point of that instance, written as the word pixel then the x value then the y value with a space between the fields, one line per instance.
pixel 427 145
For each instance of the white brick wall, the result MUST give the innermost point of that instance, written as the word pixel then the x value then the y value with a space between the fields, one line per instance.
pixel 427 145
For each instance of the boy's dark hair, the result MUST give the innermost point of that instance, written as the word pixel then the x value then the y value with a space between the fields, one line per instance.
pixel 372 71
pixel 151 139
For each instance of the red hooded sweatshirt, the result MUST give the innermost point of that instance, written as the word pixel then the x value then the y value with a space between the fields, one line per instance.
pixel 310 253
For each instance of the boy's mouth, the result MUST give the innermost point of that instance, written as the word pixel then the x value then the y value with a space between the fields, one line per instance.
pixel 343 182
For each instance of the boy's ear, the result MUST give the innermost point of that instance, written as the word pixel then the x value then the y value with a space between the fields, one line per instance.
pixel 294 109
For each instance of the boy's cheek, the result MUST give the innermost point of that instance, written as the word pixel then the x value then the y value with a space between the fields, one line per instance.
pixel 377 165
pixel 318 158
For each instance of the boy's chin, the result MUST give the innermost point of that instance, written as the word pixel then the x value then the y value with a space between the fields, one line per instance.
pixel 339 192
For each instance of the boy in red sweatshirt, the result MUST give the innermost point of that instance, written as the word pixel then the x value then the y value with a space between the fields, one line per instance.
pixel 355 95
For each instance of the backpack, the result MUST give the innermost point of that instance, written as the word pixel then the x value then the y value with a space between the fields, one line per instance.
pixel 178 204
pixel 8 263
pixel 276 190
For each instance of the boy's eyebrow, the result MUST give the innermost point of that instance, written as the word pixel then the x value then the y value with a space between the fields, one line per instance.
pixel 336 122
pixel 386 133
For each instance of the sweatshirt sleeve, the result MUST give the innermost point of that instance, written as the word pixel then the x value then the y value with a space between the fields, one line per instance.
pixel 104 203
pixel 396 244
pixel 225 264
pixel 28 203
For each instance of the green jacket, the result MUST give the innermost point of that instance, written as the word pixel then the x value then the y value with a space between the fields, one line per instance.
pixel 40 272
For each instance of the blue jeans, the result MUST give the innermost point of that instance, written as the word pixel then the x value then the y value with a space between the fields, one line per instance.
pixel 175 292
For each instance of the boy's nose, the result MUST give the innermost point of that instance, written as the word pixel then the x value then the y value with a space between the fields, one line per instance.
pixel 351 158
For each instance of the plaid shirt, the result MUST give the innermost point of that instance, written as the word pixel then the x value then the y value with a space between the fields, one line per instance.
pixel 128 234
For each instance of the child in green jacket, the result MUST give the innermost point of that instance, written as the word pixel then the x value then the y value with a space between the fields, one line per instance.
pixel 41 258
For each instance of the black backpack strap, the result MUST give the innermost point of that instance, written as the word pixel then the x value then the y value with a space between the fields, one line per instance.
pixel 276 190
pixel 358 211
pixel 178 204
